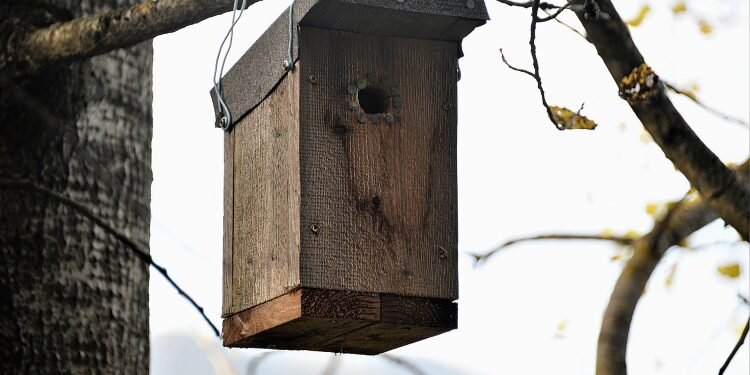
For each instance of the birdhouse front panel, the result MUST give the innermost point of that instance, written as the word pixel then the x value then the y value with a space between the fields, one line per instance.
pixel 378 164
pixel 340 225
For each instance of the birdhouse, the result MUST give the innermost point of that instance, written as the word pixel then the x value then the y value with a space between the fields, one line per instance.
pixel 340 202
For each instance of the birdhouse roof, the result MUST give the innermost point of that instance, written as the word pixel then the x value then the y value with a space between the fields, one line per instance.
pixel 260 69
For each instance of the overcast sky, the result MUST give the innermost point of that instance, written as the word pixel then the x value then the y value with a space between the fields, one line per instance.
pixel 537 307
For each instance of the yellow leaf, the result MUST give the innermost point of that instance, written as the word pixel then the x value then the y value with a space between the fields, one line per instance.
pixel 731 270
pixel 705 27
pixel 638 19
pixel 679 8
pixel 571 120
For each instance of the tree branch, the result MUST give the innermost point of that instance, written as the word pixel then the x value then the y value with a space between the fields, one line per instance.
pixel 709 109
pixel 718 186
pixel 617 239
pixel 141 252
pixel 93 35
pixel 684 218
pixel 736 348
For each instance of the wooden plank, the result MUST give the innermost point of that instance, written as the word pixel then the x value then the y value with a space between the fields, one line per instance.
pixel 414 311
pixel 379 202
pixel 301 319
pixel 263 317
pixel 378 338
pixel 228 222
pixel 403 320
pixel 339 321
pixel 265 259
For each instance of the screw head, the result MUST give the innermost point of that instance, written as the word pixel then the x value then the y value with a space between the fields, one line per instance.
pixel 352 89
pixel 389 118
pixel 312 78
pixel 353 105
pixel 314 228
pixel 361 117
pixel 362 83
pixel 442 253
pixel 470 4
pixel 375 119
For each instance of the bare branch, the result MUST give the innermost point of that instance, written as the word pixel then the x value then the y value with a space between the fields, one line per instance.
pixel 535 64
pixel 626 241
pixel 582 35
pixel 528 4
pixel 555 13
pixel 140 251
pixel 736 348
pixel 717 184
pixel 511 67
pixel 711 110
pixel 683 218
pixel 93 35
pixel 407 365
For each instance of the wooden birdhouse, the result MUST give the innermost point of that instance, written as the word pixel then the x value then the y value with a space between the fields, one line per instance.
pixel 340 204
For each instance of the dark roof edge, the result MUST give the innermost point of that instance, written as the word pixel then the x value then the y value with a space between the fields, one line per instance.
pixel 260 69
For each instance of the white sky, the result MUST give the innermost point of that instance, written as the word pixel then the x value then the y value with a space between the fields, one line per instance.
pixel 517 176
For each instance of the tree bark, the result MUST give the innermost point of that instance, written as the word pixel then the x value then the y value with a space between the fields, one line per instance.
pixel 74 299
pixel 718 186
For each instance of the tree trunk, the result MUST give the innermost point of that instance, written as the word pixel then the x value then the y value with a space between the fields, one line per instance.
pixel 72 298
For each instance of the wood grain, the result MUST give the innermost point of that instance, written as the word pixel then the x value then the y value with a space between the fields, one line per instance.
pixel 265 235
pixel 339 321
pixel 226 307
pixel 381 197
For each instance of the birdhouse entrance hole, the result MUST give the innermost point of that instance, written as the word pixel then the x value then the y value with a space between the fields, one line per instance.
pixel 373 99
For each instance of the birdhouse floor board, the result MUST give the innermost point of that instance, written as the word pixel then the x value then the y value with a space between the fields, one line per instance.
pixel 339 321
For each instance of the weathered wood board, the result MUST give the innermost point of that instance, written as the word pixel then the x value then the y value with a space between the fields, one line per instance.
pixel 339 321
pixel 264 199
pixel 379 201
pixel 341 199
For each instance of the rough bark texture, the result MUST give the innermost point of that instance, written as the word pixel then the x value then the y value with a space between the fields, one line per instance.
pixel 718 186
pixel 73 299
pixel 83 37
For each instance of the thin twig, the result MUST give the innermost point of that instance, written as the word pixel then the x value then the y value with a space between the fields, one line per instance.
pixel 403 363
pixel 252 366
pixel 582 35
pixel 141 252
pixel 528 4
pixel 556 13
pixel 535 63
pixel 736 347
pixel 617 239
pixel 511 67
pixel 333 365
pixel 711 110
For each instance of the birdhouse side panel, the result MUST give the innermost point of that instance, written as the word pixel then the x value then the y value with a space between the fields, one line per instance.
pixel 378 164
pixel 263 262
